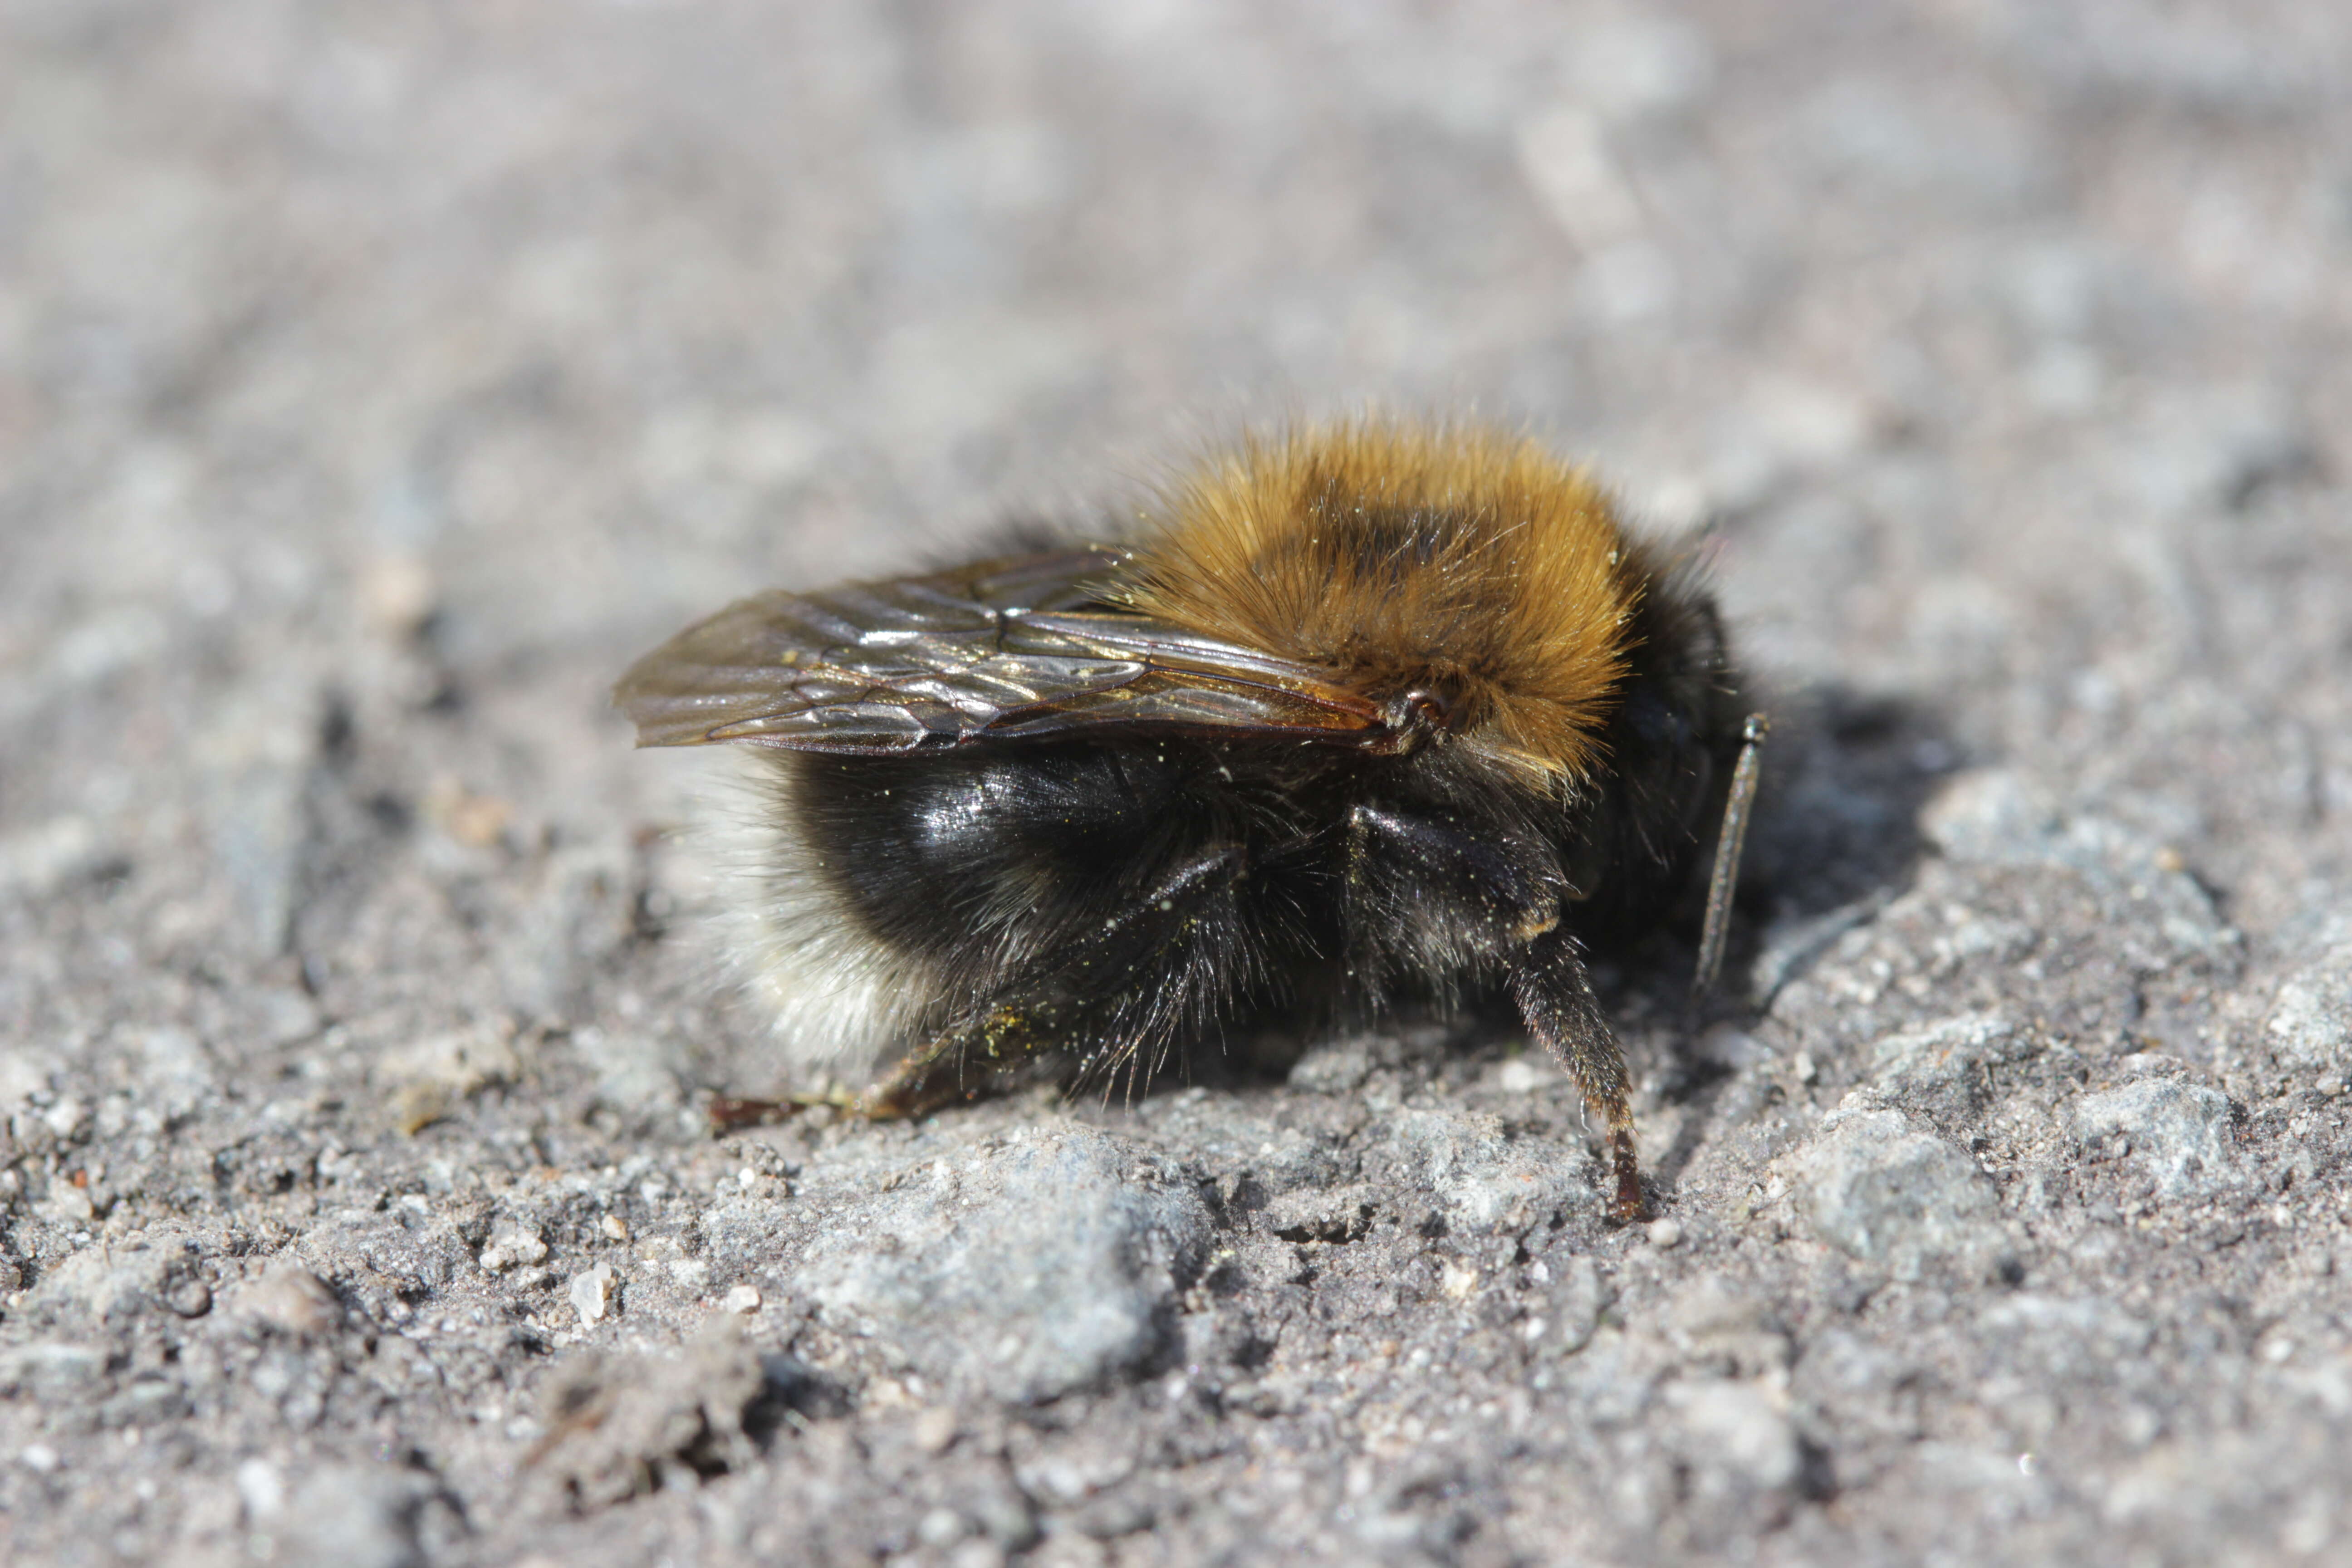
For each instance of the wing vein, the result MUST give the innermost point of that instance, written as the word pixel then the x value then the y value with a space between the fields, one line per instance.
pixel 1010 649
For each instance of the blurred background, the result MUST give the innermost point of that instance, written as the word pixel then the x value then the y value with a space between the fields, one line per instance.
pixel 1984 329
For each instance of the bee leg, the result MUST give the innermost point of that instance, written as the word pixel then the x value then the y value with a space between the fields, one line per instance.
pixel 1168 965
pixel 1492 882
pixel 1548 981
pixel 931 1074
pixel 731 1113
pixel 1163 964
pixel 1490 879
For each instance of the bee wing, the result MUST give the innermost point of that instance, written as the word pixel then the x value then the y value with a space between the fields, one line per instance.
pixel 998 650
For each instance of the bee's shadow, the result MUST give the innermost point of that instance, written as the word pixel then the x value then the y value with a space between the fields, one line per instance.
pixel 1836 831
pixel 1837 817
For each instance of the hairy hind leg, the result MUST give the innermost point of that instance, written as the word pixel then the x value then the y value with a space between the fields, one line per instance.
pixel 940 1071
pixel 1554 994
pixel 1166 964
pixel 1515 894
pixel 933 1074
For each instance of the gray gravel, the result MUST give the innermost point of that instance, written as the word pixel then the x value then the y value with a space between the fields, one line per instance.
pixel 376 381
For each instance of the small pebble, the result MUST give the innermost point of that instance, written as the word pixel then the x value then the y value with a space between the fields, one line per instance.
pixel 1047 1273
pixel 940 1528
pixel 396 594
pixel 1735 1438
pixel 2310 1027
pixel 1884 1190
pixel 592 1293
pixel 293 1300
pixel 261 1489
pixel 2179 1134
pixel 1519 1076
pixel 742 1300
pixel 935 1429
pixel 509 1247
pixel 1665 1232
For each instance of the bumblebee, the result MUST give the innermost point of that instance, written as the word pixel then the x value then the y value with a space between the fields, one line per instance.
pixel 1350 714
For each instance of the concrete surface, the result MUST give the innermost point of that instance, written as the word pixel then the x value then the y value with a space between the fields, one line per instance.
pixel 376 381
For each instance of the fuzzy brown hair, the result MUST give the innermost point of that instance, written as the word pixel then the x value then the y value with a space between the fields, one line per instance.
pixel 1401 557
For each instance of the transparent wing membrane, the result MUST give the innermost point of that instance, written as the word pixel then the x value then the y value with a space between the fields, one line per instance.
pixel 998 650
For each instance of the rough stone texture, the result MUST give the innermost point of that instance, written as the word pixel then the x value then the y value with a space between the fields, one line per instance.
pixel 2179 1134
pixel 376 381
pixel 1879 1190
pixel 2310 1026
pixel 1028 1271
